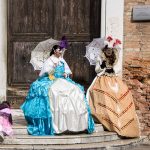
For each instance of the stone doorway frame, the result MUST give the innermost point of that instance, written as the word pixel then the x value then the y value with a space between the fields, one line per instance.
pixel 112 22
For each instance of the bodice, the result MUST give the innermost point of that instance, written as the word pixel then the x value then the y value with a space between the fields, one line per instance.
pixel 59 70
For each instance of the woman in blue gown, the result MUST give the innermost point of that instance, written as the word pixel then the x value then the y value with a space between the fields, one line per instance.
pixel 55 104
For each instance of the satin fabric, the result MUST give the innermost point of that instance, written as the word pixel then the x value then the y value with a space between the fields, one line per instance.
pixel 55 106
pixel 112 105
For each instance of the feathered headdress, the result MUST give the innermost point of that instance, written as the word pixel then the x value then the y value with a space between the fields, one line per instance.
pixel 63 42
pixel 112 42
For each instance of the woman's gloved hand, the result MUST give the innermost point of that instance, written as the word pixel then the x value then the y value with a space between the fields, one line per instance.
pixel 103 65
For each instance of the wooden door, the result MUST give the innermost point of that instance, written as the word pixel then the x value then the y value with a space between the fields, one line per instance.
pixel 32 21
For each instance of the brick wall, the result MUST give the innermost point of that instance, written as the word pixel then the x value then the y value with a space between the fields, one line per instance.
pixel 136 64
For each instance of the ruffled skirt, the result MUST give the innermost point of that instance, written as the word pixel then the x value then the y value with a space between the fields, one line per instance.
pixel 112 105
pixel 56 106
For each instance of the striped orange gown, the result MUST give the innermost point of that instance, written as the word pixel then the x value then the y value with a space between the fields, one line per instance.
pixel 112 105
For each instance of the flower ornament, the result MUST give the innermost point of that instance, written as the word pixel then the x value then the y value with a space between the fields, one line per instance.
pixel 51 77
pixel 117 42
pixel 109 38
pixel 111 42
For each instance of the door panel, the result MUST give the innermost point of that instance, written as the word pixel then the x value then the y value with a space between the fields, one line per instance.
pixel 32 21
pixel 23 71
pixel 29 17
pixel 72 18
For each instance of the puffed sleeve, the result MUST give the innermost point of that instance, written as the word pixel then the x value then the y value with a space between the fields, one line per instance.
pixel 118 64
pixel 67 68
pixel 48 67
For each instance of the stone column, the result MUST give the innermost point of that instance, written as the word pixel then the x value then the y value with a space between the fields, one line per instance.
pixel 3 49
pixel 112 13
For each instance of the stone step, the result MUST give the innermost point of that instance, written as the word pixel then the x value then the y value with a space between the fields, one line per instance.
pixel 19 121
pixel 21 128
pixel 20 124
pixel 99 140
pixel 121 144
pixel 62 139
pixel 143 146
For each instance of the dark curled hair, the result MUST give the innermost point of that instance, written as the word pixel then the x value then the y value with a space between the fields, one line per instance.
pixel 5 104
pixel 54 48
pixel 112 58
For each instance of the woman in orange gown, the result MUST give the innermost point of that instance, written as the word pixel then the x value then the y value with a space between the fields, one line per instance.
pixel 109 97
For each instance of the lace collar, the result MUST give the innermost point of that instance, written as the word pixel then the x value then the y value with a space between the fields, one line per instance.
pixel 55 59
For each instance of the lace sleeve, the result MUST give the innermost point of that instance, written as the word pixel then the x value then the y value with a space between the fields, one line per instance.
pixel 48 67
pixel 98 67
pixel 67 68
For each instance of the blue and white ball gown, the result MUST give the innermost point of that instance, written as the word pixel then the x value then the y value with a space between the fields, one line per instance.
pixel 55 104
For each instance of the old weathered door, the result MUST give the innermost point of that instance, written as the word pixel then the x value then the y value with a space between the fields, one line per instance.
pixel 31 21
